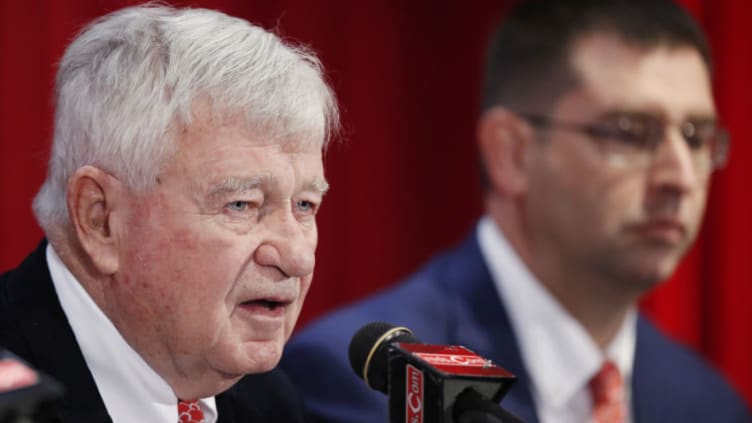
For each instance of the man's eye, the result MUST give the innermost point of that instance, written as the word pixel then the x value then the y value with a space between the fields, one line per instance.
pixel 238 205
pixel 306 206
pixel 700 134
pixel 634 131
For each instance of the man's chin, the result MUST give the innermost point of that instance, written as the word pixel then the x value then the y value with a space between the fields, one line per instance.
pixel 260 356
pixel 247 357
pixel 652 274
pixel 234 370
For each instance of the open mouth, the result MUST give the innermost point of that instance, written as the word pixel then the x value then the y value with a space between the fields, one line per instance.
pixel 268 304
pixel 265 307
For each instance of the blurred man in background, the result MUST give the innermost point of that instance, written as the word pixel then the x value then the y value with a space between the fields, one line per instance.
pixel 598 137
pixel 180 214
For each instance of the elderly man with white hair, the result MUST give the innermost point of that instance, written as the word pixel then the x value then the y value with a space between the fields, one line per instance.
pixel 180 218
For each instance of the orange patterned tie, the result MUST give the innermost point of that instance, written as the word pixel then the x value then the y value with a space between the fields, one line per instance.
pixel 190 412
pixel 607 391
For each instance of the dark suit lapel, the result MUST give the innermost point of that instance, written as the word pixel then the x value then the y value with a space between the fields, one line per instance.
pixel 224 409
pixel 484 326
pixel 47 340
pixel 259 398
pixel 647 384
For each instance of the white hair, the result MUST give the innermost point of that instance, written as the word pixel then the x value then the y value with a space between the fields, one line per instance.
pixel 132 76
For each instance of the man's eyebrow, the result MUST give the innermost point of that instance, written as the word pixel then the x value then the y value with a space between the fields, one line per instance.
pixel 704 117
pixel 319 185
pixel 232 184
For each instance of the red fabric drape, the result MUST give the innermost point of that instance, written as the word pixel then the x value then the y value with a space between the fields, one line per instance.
pixel 404 183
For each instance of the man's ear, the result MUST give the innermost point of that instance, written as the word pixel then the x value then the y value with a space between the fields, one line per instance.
pixel 503 138
pixel 92 196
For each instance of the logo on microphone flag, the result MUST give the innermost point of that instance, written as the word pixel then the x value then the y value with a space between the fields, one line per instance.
pixel 413 395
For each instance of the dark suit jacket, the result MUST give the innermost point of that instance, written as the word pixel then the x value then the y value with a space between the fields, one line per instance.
pixel 33 325
pixel 453 300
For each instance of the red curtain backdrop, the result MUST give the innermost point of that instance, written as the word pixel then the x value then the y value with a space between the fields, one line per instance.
pixel 404 182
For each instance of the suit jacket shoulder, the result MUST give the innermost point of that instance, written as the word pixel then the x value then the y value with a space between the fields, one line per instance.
pixel 671 383
pixel 33 326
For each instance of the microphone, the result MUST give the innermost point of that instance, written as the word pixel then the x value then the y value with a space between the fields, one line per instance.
pixel 26 395
pixel 429 383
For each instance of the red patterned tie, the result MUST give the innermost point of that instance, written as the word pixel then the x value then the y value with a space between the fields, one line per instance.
pixel 607 390
pixel 190 412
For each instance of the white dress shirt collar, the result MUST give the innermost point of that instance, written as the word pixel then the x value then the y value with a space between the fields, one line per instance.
pixel 558 353
pixel 131 390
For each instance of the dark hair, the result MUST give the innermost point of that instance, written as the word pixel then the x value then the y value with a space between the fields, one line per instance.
pixel 528 64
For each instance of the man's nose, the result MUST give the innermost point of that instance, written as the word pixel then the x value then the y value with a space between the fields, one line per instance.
pixel 288 245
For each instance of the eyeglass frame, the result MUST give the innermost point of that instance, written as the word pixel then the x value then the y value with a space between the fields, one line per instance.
pixel 719 143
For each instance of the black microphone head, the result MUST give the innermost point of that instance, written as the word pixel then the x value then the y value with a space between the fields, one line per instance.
pixel 369 351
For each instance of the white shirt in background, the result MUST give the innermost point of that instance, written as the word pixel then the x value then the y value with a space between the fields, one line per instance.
pixel 558 353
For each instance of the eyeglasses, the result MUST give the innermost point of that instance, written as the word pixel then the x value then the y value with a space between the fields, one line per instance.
pixel 632 138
